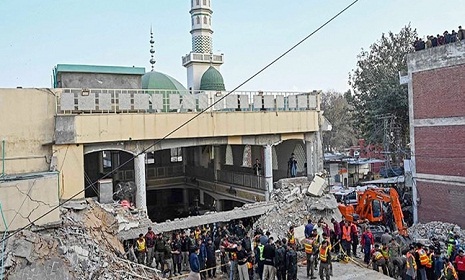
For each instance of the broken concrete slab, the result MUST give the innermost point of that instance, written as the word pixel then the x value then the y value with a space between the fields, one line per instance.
pixel 22 248
pixel 75 205
pixel 317 186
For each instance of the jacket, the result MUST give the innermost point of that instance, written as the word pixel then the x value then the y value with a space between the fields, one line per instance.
pixel 367 239
pixel 211 256
pixel 269 253
pixel 308 230
pixel 194 262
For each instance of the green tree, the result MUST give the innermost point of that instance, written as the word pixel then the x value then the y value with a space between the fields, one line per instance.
pixel 376 88
pixel 338 112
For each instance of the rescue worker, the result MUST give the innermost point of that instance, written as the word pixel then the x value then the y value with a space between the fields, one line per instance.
pixel 429 267
pixel 291 263
pixel 378 260
pixel 410 264
pixel 290 237
pixel 259 259
pixel 346 239
pixel 367 241
pixel 324 255
pixel 421 258
pixel 450 245
pixel 385 251
pixel 330 247
pixel 141 249
pixel 449 270
pixel 309 252
pixel 354 238
pixel 150 243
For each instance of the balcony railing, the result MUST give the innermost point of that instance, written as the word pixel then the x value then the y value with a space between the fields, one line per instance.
pixel 200 57
pixel 85 101
pixel 242 179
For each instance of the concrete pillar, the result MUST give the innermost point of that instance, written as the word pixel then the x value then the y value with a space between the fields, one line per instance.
pixel 216 161
pixel 268 157
pixel 114 164
pixel 219 205
pixel 318 152
pixel 185 199
pixel 309 153
pixel 139 176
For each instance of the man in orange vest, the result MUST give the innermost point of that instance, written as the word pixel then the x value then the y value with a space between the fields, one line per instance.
pixel 421 258
pixel 346 240
pixel 324 256
pixel 309 248
pixel 449 270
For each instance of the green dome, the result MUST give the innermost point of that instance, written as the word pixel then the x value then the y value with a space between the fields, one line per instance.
pixel 157 80
pixel 212 80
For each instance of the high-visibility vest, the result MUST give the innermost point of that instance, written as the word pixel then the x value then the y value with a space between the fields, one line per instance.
pixel 308 245
pixel 385 252
pixel 346 233
pixel 452 269
pixel 291 237
pixel 378 255
pixel 234 256
pixel 424 260
pixel 329 243
pixel 410 256
pixel 430 261
pixel 260 250
pixel 323 254
pixel 141 245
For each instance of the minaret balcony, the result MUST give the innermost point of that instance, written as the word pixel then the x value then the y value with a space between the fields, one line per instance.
pixel 216 59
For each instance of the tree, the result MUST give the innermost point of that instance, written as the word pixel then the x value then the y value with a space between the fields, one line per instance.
pixel 338 112
pixel 377 92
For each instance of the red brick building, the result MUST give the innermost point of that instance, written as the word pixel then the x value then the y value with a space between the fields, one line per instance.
pixel 437 131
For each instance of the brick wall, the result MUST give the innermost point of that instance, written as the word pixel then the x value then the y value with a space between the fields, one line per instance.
pixel 440 150
pixel 441 202
pixel 439 93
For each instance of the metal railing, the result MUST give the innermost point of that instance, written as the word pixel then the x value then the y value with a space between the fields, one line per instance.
pixel 153 172
pixel 242 179
pixel 78 101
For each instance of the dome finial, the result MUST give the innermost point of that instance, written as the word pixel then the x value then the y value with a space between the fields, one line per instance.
pixel 152 50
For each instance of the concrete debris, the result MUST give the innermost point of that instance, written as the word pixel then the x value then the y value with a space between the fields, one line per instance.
pixel 84 247
pixel 317 186
pixel 75 205
pixel 247 210
pixel 439 230
pixel 294 205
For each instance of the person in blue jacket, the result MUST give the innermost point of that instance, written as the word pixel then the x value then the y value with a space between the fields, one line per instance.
pixel 194 264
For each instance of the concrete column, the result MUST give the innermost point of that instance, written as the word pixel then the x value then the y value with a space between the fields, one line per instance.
pixel 139 175
pixel 115 163
pixel 219 205
pixel 185 199
pixel 216 161
pixel 268 157
pixel 318 152
pixel 309 153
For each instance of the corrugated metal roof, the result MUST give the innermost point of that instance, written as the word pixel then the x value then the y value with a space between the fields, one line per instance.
pixel 80 68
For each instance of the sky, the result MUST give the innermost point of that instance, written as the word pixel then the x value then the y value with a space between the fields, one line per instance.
pixel 36 35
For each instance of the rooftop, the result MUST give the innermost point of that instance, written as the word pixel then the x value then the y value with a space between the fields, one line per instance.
pixel 81 68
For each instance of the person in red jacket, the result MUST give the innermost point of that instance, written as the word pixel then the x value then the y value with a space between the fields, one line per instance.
pixel 367 241
pixel 460 264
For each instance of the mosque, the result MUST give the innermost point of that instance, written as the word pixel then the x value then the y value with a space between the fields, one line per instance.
pixel 184 149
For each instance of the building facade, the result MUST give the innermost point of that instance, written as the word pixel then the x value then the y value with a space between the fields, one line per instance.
pixel 437 131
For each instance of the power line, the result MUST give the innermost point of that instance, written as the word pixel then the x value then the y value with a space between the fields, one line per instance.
pixel 186 122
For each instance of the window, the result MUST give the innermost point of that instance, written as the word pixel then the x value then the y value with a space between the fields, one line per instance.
pixel 198 20
pixel 106 158
pixel 210 21
pixel 176 155
pixel 205 19
pixel 205 2
pixel 198 2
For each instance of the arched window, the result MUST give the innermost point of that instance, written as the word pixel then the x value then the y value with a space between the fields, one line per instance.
pixel 198 20
pixel 205 19
pixel 192 21
pixel 205 2
pixel 247 156
pixel 198 2
pixel 210 21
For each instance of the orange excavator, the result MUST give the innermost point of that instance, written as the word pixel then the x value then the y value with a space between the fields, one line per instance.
pixel 370 207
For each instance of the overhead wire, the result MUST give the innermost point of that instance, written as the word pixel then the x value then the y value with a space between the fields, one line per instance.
pixel 186 122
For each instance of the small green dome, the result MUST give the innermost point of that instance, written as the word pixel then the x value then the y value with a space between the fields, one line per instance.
pixel 212 80
pixel 157 80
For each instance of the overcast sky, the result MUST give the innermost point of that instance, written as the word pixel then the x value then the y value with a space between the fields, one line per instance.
pixel 36 35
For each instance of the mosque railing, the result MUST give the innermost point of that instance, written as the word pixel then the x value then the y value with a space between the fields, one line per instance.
pixel 98 101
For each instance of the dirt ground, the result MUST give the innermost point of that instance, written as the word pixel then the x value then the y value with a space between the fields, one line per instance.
pixel 346 271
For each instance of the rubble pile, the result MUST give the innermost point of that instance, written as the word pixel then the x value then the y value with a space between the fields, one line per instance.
pixel 439 230
pixel 85 246
pixel 295 204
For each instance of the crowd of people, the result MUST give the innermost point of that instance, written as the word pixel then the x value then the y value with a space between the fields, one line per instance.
pixel 231 250
pixel 438 40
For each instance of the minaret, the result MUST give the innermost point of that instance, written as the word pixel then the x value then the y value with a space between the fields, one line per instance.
pixel 201 57
pixel 152 50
